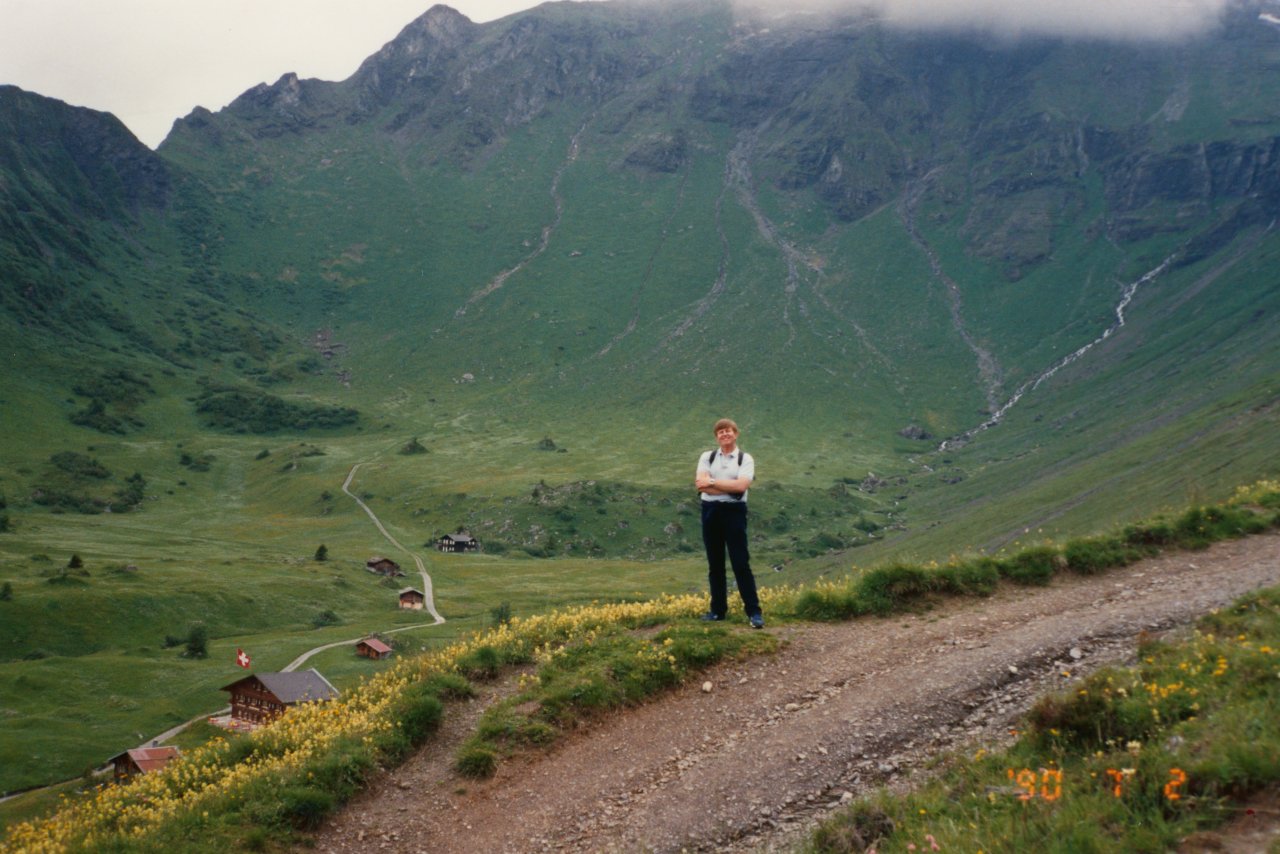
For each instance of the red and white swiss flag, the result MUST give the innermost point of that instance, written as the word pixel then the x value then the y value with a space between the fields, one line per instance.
pixel 242 658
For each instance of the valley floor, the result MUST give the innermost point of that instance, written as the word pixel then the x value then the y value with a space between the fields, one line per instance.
pixel 778 742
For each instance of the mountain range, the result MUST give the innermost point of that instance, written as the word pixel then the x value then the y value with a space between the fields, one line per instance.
pixel 977 271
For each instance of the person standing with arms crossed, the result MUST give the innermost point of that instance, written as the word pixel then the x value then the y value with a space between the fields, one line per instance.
pixel 723 477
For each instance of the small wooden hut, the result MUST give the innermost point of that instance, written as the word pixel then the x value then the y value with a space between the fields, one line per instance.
pixel 383 566
pixel 412 599
pixel 141 760
pixel 373 648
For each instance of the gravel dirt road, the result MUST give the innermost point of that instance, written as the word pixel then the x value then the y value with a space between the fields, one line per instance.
pixel 780 741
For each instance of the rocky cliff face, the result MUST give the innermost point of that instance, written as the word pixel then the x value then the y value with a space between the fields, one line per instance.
pixel 848 111
pixel 420 56
pixel 859 115
pixel 1194 178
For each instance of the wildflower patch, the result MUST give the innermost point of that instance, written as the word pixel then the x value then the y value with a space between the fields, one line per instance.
pixel 1130 759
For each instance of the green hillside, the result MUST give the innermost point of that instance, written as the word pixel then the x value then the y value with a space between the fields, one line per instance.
pixel 553 249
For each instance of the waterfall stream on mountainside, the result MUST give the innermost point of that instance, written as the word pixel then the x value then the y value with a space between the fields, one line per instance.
pixel 1126 297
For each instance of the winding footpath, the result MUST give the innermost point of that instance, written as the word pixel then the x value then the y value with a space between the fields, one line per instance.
pixel 427 591
pixel 430 603
pixel 302 659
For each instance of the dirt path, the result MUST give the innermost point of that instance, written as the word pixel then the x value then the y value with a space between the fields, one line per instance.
pixel 429 597
pixel 779 742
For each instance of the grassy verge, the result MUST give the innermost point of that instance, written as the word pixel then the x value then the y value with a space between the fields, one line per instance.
pixel 900 586
pixel 604 670
pixel 254 792
pixel 1129 760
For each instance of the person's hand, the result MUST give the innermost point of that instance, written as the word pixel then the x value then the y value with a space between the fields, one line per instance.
pixel 703 480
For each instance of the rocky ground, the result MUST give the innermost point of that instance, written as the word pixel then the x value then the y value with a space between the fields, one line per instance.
pixel 752 757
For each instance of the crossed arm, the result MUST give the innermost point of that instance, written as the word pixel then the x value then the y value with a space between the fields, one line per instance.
pixel 705 483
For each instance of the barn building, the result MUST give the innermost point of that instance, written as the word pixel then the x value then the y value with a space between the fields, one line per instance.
pixel 373 648
pixel 141 760
pixel 458 543
pixel 263 697
pixel 412 599
pixel 383 566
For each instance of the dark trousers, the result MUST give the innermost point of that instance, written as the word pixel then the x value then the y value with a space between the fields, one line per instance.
pixel 724 527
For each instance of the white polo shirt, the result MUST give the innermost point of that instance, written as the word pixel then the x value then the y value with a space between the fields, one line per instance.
pixel 727 468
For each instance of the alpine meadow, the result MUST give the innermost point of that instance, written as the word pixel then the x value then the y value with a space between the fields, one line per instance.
pixel 962 292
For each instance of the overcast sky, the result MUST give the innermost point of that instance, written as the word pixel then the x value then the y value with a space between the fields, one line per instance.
pixel 152 61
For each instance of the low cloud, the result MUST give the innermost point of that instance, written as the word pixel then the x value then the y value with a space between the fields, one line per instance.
pixel 1129 20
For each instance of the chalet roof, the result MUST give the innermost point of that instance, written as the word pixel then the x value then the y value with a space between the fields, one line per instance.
pixel 299 687
pixel 412 590
pixel 148 758
pixel 458 538
pixel 377 559
pixel 375 645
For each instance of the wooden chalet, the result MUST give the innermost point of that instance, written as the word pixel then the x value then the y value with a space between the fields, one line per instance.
pixel 141 760
pixel 458 543
pixel 383 566
pixel 372 648
pixel 262 697
pixel 412 599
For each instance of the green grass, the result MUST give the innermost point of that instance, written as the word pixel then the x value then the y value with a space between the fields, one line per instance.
pixel 589 660
pixel 87 674
pixel 899 586
pixel 233 545
pixel 580 681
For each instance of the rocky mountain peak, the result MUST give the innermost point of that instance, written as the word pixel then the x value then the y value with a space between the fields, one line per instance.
pixel 285 92
pixel 413 54
pixel 440 22
pixel 439 28
pixel 289 105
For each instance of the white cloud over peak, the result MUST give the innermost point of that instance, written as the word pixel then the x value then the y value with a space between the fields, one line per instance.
pixel 1141 20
